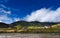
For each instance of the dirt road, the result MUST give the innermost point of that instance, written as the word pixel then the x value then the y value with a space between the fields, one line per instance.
pixel 19 35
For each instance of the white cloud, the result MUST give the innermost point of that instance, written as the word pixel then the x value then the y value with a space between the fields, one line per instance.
pixel 5 19
pixel 0 21
pixel 3 6
pixel 41 15
pixel 4 9
pixel 16 19
pixel 5 15
pixel 44 15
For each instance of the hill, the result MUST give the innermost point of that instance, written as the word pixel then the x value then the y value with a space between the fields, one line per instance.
pixel 31 27
pixel 35 23
pixel 3 25
pixel 26 24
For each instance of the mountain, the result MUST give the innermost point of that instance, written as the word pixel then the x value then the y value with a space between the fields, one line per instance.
pixel 36 23
pixel 3 25
pixel 25 23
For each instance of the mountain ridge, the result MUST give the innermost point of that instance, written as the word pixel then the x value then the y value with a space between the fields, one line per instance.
pixel 25 23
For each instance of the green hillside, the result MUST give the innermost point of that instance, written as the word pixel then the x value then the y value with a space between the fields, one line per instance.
pixel 30 27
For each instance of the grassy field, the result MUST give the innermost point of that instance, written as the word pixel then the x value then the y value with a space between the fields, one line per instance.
pixel 32 29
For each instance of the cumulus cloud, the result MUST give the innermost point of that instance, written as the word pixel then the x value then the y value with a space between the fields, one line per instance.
pixel 44 15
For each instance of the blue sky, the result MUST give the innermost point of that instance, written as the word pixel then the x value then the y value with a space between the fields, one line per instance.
pixel 15 10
